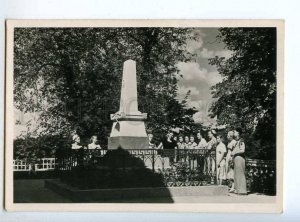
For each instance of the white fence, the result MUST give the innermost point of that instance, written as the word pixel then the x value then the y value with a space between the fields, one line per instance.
pixel 21 165
pixel 45 164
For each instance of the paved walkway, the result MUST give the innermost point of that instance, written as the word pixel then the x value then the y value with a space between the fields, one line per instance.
pixel 33 191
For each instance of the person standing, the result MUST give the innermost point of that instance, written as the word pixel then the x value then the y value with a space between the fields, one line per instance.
pixel 211 146
pixel 186 143
pixel 238 154
pixel 92 146
pixel 94 143
pixel 193 155
pixel 185 146
pixel 151 144
pixel 76 142
pixel 192 143
pixel 229 160
pixel 220 160
pixel 180 149
pixel 77 158
pixel 175 138
pixel 170 145
pixel 180 144
pixel 202 144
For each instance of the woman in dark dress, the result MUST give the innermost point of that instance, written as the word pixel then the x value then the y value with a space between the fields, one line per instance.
pixel 169 144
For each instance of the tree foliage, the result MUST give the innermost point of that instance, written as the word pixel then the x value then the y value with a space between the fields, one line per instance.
pixel 246 97
pixel 72 76
pixel 32 149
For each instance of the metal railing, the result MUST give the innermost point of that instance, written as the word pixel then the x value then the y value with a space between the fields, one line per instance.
pixel 194 167
pixel 179 167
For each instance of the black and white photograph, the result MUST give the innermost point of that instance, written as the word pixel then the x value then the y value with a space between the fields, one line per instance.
pixel 144 114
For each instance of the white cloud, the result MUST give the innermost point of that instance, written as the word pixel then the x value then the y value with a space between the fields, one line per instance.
pixel 197 42
pixel 214 78
pixel 224 53
pixel 196 104
pixel 198 117
pixel 182 91
pixel 198 33
pixel 192 45
pixel 202 117
pixel 206 53
pixel 191 70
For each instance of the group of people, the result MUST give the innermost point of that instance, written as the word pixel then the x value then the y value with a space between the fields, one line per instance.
pixel 229 160
pixel 91 146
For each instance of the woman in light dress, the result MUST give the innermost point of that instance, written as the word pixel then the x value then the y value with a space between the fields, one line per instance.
pixel 220 160
pixel 238 154
pixel 202 144
pixel 192 143
pixel 184 147
pixel 186 143
pixel 151 144
pixel 193 156
pixel 94 143
pixel 180 149
pixel 77 158
pixel 76 142
pixel 229 160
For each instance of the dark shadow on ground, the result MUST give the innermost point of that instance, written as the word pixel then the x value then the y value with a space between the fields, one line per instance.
pixel 34 191
pixel 117 169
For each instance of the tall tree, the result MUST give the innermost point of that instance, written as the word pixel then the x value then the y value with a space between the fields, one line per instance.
pixel 72 76
pixel 246 97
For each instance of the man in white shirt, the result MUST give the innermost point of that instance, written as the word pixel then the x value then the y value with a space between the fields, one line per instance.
pixel 202 144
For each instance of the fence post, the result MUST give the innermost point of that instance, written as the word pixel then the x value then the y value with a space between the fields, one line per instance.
pixel 153 162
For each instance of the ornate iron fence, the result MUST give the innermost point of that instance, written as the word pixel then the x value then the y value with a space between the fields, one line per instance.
pixel 193 167
pixel 179 167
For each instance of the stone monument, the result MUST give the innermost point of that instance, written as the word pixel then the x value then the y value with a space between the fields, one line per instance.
pixel 128 130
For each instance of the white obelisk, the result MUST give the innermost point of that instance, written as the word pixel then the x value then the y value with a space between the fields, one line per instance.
pixel 128 102
pixel 128 130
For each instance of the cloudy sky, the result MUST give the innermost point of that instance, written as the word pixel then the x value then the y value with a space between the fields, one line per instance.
pixel 199 76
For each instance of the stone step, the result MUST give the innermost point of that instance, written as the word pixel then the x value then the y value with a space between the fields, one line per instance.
pixel 77 195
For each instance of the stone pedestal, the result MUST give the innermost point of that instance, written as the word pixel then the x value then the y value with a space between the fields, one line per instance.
pixel 127 142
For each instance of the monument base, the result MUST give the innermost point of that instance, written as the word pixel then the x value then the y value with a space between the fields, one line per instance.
pixel 126 142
